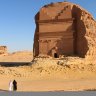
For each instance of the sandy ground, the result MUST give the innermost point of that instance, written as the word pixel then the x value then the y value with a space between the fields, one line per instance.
pixel 28 84
pixel 45 74
pixel 21 56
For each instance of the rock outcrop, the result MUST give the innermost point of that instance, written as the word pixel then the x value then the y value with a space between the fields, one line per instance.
pixel 64 28
pixel 3 50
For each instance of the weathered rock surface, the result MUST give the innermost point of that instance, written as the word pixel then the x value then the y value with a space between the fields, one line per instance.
pixel 64 28
pixel 3 50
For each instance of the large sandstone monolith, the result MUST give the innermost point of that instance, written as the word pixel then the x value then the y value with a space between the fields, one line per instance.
pixel 64 28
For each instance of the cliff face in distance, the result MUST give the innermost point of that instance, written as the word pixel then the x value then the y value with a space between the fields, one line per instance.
pixel 75 29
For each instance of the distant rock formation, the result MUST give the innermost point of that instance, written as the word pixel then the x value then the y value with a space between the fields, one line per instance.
pixel 64 28
pixel 3 50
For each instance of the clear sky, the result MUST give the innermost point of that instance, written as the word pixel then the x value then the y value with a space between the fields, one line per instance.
pixel 17 24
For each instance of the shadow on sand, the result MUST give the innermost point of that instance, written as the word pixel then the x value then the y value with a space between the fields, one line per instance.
pixel 3 90
pixel 14 64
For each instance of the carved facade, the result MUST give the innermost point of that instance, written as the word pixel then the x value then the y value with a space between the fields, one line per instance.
pixel 62 29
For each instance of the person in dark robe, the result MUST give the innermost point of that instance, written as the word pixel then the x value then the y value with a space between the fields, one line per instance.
pixel 14 85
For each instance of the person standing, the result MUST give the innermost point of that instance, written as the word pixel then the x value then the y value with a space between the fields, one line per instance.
pixel 10 86
pixel 14 85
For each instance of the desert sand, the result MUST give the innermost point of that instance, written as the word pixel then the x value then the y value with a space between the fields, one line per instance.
pixel 19 56
pixel 46 74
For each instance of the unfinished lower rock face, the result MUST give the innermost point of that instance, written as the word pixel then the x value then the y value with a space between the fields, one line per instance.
pixel 64 28
pixel 3 50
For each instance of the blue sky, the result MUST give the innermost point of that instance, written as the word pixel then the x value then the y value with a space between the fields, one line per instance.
pixel 17 24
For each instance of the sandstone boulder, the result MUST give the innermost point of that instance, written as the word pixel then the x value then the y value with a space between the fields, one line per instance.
pixel 3 50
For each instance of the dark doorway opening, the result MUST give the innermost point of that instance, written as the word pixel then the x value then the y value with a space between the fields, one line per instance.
pixel 55 55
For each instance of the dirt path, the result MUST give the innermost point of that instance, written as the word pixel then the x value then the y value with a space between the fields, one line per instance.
pixel 27 84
